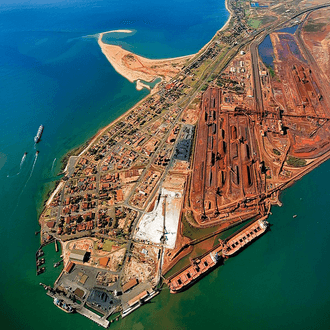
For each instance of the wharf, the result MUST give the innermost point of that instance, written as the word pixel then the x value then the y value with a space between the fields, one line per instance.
pixel 102 321
pixel 56 245
pixel 138 304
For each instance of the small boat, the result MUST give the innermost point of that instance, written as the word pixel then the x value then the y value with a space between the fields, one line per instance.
pixel 37 152
pixel 40 253
pixel 294 216
pixel 41 270
pixel 57 264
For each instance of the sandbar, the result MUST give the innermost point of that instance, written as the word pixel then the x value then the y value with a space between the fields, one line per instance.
pixel 134 67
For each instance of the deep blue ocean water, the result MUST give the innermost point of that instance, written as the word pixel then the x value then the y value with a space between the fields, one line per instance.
pixel 52 72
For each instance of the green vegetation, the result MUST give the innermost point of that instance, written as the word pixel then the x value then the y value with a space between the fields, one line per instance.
pixel 47 213
pixel 204 88
pixel 314 27
pixel 276 152
pixel 271 71
pixel 296 162
pixel 107 245
pixel 254 23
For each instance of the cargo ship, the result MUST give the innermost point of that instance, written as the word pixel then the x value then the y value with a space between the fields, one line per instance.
pixel 244 237
pixel 63 306
pixel 39 133
pixel 191 274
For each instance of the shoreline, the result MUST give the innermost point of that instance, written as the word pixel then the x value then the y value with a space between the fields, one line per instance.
pixel 153 90
pixel 118 31
pixel 135 67
pixel 229 18
pixel 101 34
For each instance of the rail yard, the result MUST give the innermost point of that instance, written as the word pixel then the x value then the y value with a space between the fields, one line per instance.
pixel 207 151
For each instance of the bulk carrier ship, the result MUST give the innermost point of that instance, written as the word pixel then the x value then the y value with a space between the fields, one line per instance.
pixel 204 264
pixel 198 268
pixel 244 237
pixel 39 133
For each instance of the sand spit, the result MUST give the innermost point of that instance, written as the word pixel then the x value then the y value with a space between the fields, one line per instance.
pixel 119 31
pixel 134 67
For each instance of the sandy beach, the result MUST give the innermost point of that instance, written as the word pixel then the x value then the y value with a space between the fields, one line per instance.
pixel 121 69
pixel 134 67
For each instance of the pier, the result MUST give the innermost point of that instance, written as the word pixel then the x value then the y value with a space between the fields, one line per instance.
pixel 102 321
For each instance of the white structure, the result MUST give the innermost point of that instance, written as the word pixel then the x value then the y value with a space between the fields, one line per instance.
pixel 151 225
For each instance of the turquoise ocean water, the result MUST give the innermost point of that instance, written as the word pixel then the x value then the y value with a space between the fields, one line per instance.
pixel 53 73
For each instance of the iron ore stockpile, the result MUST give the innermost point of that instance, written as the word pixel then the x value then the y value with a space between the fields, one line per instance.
pixel 208 150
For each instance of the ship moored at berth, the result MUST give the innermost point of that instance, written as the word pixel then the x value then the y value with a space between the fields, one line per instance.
pixel 192 273
pixel 244 237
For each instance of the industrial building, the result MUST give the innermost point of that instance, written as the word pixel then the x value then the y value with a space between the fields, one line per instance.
pixel 79 255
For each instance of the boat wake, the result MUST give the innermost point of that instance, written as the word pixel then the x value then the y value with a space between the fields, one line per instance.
pixel 34 164
pixel 28 179
pixel 51 170
pixel 20 166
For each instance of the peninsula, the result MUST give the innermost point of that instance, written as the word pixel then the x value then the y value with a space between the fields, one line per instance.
pixel 134 67
pixel 148 204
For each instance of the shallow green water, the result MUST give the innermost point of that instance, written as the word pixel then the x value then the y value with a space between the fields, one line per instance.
pixel 280 281
pixel 52 75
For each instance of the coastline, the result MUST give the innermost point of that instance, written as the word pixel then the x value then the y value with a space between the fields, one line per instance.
pixel 74 104
pixel 229 18
pixel 154 90
pixel 134 67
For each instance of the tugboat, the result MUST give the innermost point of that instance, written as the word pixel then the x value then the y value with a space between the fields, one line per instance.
pixel 57 263
pixel 39 133
pixel 63 306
